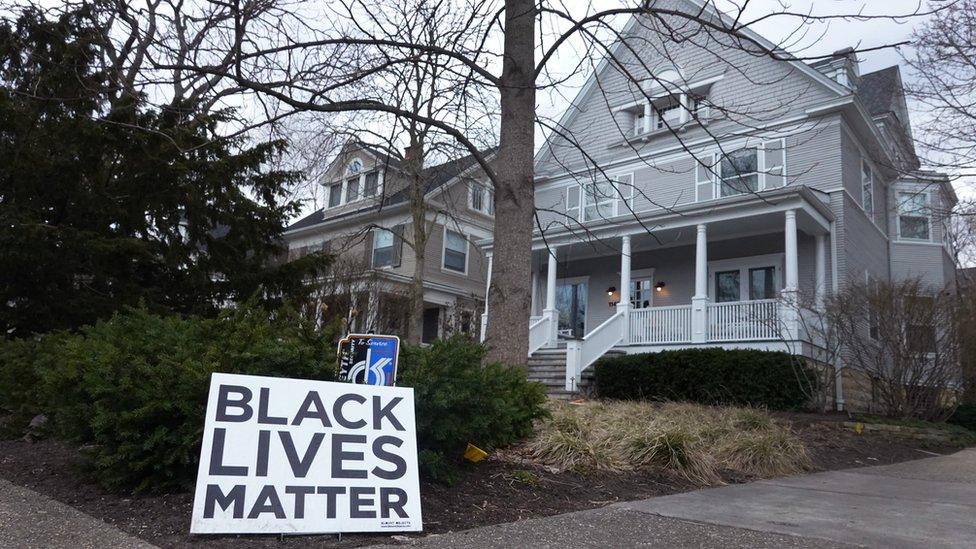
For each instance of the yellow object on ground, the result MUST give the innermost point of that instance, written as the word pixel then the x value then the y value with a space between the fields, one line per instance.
pixel 474 454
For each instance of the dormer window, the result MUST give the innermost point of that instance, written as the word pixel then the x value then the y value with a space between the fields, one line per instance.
pixel 667 109
pixel 481 199
pixel 668 112
pixel 356 184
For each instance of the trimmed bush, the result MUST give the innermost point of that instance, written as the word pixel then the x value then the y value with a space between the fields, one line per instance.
pixel 707 376
pixel 459 400
pixel 132 390
pixel 964 416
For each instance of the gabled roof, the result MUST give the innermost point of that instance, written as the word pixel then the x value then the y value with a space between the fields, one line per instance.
pixel 435 177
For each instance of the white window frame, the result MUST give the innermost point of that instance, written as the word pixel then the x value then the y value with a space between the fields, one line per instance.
pixel 867 188
pixel 898 211
pixel 760 180
pixel 643 274
pixel 467 252
pixel 603 201
pixel 332 190
pixel 487 198
pixel 623 195
pixel 372 254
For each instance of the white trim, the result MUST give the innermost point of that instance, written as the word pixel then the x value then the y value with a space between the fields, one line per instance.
pixel 928 216
pixel 467 252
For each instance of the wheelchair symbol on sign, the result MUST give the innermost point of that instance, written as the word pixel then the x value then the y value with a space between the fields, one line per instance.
pixel 372 373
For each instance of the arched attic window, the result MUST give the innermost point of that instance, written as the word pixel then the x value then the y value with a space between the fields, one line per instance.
pixel 673 102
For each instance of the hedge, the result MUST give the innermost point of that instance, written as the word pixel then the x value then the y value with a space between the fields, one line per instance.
pixel 707 376
pixel 964 416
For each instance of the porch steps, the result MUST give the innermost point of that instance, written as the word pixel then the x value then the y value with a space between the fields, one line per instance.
pixel 548 367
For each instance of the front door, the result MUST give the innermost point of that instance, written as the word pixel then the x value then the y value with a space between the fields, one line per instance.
pixel 431 324
pixel 571 304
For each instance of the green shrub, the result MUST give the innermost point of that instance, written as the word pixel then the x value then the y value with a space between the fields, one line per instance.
pixel 708 376
pixel 459 400
pixel 964 416
pixel 132 390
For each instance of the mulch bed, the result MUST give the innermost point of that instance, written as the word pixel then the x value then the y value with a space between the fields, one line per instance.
pixel 491 492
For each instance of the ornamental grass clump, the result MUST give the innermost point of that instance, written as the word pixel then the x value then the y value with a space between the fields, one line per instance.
pixel 696 442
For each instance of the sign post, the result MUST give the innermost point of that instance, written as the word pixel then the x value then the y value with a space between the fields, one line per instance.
pixel 302 457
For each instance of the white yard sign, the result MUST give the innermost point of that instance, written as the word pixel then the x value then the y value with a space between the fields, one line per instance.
pixel 298 456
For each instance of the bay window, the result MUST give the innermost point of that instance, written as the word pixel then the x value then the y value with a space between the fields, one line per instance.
pixel 913 216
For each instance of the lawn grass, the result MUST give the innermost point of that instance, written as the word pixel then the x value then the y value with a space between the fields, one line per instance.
pixel 697 442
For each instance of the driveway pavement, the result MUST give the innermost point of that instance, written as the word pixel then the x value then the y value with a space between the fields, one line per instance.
pixel 925 503
pixel 29 519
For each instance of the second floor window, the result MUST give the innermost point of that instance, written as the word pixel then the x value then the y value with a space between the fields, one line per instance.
pixel 372 184
pixel 740 172
pixel 867 188
pixel 335 195
pixel 598 200
pixel 913 216
pixel 455 251
pixel 382 249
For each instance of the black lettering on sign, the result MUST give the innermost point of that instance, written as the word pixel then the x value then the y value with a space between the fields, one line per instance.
pixel 264 444
pixel 299 492
pixel 357 502
pixel 267 502
pixel 300 467
pixel 387 504
pixel 312 408
pixel 215 496
pixel 217 467
pixel 341 418
pixel 399 465
pixel 380 412
pixel 224 402
pixel 331 494
pixel 263 416
pixel 339 456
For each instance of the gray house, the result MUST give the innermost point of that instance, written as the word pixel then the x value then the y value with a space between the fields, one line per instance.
pixel 693 197
pixel 366 223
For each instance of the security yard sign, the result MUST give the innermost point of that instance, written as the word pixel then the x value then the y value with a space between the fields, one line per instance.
pixel 369 359
pixel 297 456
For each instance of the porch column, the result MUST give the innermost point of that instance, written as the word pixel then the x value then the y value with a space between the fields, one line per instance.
pixel 484 315
pixel 789 308
pixel 821 270
pixel 699 302
pixel 623 306
pixel 550 310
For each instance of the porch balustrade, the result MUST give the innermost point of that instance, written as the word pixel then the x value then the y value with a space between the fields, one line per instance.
pixel 660 325
pixel 744 320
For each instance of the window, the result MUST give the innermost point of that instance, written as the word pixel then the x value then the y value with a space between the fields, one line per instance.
pixel 598 200
pixel 372 184
pixel 641 293
pixel 698 105
pixel 667 114
pixel 913 217
pixel 726 286
pixel 572 202
pixel 335 195
pixel 481 199
pixel 455 251
pixel 762 283
pixel 640 121
pixel 382 248
pixel 867 188
pixel 352 189
pixel 739 171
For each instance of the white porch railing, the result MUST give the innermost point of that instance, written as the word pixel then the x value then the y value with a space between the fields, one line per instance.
pixel 660 325
pixel 539 331
pixel 744 320
pixel 583 352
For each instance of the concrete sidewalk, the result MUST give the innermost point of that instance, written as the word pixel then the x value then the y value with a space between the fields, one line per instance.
pixel 924 503
pixel 29 519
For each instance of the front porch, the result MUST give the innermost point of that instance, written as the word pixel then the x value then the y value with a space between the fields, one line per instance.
pixel 732 279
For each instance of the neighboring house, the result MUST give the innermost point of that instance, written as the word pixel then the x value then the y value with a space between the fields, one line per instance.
pixel 651 243
pixel 366 222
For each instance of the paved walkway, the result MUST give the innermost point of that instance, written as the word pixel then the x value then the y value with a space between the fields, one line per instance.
pixel 29 519
pixel 924 503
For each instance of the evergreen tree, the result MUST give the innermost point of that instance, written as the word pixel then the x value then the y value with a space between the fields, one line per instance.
pixel 107 202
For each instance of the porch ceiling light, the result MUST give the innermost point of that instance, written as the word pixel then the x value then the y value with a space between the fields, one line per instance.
pixel 659 287
pixel 613 296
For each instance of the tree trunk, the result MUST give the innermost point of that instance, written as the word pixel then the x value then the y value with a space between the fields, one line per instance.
pixel 413 164
pixel 509 296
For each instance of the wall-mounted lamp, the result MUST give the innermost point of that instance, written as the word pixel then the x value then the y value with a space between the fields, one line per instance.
pixel 613 296
pixel 659 287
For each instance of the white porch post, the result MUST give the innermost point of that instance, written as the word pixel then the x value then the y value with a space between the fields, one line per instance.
pixel 484 315
pixel 792 283
pixel 623 306
pixel 699 302
pixel 821 272
pixel 550 310
pixel 535 291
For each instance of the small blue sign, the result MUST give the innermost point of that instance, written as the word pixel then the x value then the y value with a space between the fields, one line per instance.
pixel 369 359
